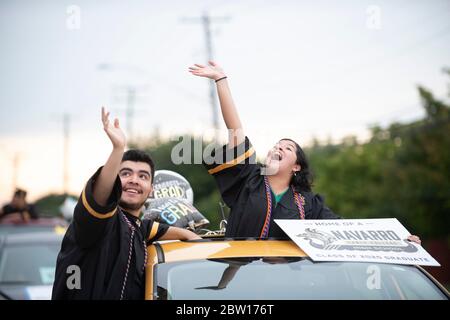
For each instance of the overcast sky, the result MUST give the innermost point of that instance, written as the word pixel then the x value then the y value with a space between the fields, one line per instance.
pixel 297 69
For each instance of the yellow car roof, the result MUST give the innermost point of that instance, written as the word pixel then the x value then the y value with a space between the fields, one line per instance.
pixel 195 250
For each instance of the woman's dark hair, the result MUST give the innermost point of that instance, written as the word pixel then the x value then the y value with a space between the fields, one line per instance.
pixel 301 181
pixel 139 156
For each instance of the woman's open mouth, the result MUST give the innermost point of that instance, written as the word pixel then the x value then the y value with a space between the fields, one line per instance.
pixel 277 156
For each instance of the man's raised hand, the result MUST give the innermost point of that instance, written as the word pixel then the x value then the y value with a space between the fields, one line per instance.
pixel 113 131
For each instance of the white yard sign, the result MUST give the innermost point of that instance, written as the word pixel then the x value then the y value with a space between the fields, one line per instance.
pixel 367 240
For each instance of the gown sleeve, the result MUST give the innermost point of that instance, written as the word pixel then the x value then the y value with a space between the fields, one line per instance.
pixel 156 230
pixel 320 210
pixel 90 219
pixel 231 167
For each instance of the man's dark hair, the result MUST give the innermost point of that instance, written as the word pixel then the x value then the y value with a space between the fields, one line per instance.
pixel 20 193
pixel 139 156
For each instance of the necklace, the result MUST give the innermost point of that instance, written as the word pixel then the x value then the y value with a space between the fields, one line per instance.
pixel 299 201
pixel 130 253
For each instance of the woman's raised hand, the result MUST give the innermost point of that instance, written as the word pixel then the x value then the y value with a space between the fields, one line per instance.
pixel 211 71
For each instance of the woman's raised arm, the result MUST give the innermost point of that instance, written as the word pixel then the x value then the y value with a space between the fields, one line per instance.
pixel 229 112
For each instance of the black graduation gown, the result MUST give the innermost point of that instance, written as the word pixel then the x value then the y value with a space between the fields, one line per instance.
pixel 98 241
pixel 30 209
pixel 242 187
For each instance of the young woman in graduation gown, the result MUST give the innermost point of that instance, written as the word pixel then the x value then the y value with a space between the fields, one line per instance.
pixel 257 194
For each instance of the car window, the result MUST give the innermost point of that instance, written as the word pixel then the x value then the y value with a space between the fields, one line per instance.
pixel 33 264
pixel 291 278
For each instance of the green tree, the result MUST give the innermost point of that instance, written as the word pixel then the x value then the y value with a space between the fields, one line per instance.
pixel 48 206
pixel 402 172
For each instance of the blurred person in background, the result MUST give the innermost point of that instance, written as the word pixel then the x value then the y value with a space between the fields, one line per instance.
pixel 19 208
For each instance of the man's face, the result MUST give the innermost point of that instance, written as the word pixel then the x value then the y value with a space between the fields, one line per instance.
pixel 136 184
pixel 18 201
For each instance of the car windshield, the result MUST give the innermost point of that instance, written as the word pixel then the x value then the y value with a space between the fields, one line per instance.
pixel 31 264
pixel 5 230
pixel 290 278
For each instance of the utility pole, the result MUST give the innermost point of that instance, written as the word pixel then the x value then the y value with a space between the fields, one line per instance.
pixel 66 119
pixel 206 22
pixel 131 92
pixel 16 160
pixel 66 127
pixel 131 98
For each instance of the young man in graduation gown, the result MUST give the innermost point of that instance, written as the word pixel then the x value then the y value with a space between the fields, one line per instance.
pixel 104 252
